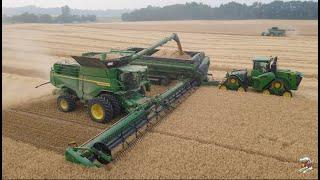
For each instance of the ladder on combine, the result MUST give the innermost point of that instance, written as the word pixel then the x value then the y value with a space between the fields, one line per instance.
pixel 98 150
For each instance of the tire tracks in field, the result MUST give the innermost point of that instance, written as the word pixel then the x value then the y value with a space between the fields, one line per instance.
pixel 229 147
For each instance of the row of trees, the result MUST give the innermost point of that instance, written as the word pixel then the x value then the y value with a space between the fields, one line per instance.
pixel 65 17
pixel 232 10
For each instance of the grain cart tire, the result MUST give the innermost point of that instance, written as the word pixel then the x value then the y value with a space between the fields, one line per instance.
pixel 287 94
pixel 66 103
pixel 100 110
pixel 115 104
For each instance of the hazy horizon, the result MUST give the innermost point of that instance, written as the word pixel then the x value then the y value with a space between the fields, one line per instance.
pixel 119 4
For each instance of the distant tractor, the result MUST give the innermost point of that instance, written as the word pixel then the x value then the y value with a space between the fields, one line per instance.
pixel 274 31
pixel 264 77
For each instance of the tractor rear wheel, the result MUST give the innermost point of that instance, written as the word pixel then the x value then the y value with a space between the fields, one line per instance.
pixel 100 109
pixel 287 94
pixel 66 103
pixel 114 102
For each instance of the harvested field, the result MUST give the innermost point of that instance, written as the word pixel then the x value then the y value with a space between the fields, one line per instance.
pixel 212 134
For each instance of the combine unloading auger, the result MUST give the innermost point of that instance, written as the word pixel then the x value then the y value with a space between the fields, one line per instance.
pixel 98 151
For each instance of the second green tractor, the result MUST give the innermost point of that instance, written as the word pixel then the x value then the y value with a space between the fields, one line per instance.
pixel 265 77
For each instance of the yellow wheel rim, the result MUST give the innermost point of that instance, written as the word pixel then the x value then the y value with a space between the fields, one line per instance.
pixel 223 87
pixel 266 92
pixel 233 81
pixel 64 104
pixel 287 94
pixel 97 111
pixel 277 85
pixel 241 89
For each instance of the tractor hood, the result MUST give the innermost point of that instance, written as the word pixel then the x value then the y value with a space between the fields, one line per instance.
pixel 290 72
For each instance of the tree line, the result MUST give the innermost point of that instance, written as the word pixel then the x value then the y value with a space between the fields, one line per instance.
pixel 64 17
pixel 232 10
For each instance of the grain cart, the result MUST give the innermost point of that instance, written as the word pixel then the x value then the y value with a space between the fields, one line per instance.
pixel 264 77
pixel 108 86
pixel 274 31
pixel 162 70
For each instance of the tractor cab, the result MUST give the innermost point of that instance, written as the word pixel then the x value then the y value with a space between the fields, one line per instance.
pixel 263 65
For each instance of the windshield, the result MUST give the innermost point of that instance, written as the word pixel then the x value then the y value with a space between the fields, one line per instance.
pixel 261 66
pixel 130 80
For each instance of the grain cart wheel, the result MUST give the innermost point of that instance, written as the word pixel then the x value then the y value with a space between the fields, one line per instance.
pixel 100 109
pixel 266 92
pixel 66 103
pixel 287 94
pixel 114 102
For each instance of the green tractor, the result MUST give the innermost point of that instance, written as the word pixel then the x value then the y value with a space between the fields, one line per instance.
pixel 274 31
pixel 105 82
pixel 265 77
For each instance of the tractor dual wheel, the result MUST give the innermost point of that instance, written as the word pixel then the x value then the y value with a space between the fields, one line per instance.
pixel 66 103
pixel 100 110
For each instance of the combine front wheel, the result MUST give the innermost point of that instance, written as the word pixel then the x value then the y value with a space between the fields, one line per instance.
pixel 66 103
pixel 100 110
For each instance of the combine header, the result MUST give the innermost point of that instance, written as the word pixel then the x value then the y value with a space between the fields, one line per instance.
pixel 98 151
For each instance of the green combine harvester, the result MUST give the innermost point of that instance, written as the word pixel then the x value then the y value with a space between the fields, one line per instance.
pixel 274 31
pixel 110 83
pixel 265 77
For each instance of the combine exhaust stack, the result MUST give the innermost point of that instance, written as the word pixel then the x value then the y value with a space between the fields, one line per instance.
pixel 97 151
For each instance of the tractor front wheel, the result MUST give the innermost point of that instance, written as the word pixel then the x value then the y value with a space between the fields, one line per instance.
pixel 100 109
pixel 241 89
pixel 66 103
pixel 287 94
pixel 266 92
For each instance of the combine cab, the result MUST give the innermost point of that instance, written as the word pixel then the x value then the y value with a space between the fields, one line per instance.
pixel 264 77
pixel 274 31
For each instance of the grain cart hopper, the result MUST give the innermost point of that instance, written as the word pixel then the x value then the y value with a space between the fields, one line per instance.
pixel 274 31
pixel 163 70
pixel 264 77
pixel 108 86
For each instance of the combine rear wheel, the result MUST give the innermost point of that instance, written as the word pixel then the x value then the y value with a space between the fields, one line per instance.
pixel 100 110
pixel 114 102
pixel 66 103
pixel 287 94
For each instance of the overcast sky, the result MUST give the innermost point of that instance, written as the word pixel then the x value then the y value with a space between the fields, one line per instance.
pixel 114 4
